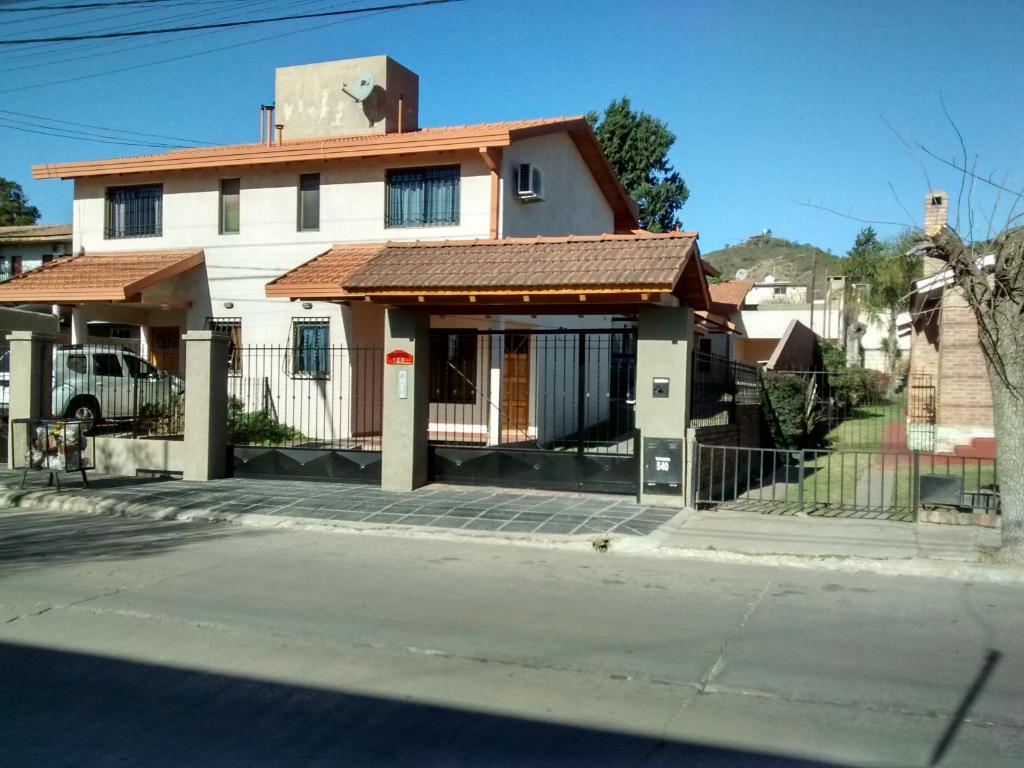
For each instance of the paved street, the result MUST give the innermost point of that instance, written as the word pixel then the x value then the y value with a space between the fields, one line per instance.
pixel 150 643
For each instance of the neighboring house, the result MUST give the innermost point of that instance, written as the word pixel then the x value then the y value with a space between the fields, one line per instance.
pixel 27 247
pixel 952 411
pixel 197 238
pixel 763 318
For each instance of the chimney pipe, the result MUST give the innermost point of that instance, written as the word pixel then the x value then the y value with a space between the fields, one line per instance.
pixel 400 110
pixel 280 133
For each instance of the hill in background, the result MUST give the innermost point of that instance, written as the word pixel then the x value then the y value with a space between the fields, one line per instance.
pixel 763 255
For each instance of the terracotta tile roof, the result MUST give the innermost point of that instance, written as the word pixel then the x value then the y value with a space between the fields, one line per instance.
pixel 35 232
pixel 729 295
pixel 601 261
pixel 318 150
pixel 98 276
pixel 569 265
pixel 324 275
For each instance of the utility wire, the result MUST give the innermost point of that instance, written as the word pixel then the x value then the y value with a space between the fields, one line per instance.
pixel 80 5
pixel 144 65
pixel 224 24
pixel 102 128
pixel 52 49
pixel 77 135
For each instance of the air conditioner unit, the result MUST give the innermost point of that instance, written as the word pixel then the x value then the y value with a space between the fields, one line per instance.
pixel 529 183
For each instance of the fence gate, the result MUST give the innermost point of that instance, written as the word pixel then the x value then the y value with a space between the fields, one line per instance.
pixel 307 411
pixel 550 409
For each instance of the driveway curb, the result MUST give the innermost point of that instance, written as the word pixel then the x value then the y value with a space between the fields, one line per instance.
pixel 619 545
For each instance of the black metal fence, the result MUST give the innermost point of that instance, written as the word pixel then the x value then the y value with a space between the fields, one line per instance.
pixel 859 409
pixel 111 390
pixel 305 396
pixel 847 483
pixel 719 385
pixel 557 390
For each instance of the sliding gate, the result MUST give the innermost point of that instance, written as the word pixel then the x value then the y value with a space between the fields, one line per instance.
pixel 550 409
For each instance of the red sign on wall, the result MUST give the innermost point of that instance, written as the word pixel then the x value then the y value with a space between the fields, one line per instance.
pixel 398 357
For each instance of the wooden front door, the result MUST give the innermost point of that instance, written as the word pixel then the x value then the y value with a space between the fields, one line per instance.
pixel 515 386
pixel 165 348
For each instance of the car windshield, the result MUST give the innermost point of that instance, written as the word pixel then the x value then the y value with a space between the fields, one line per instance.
pixel 139 368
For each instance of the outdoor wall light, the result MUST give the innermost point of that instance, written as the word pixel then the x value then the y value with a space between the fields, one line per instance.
pixel 307 305
pixel 229 305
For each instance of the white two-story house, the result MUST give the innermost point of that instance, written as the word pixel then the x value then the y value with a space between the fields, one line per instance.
pixel 190 239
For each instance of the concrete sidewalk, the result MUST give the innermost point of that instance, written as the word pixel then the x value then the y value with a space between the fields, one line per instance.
pixel 553 519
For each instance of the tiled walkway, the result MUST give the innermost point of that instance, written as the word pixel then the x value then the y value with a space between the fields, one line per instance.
pixel 475 509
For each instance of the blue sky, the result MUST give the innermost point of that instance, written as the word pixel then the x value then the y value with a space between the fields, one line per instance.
pixel 773 104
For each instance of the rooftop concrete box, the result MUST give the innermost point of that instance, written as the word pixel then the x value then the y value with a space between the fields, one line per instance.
pixel 346 97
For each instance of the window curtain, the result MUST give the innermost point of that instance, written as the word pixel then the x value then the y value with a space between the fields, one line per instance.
pixel 425 197
pixel 442 196
pixel 311 352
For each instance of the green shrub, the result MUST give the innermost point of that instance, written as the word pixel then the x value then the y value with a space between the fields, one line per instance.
pixel 785 406
pixel 258 427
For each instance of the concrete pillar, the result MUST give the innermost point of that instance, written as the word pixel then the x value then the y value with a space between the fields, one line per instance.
pixel 664 344
pixel 30 387
pixel 206 405
pixel 406 401
pixel 79 327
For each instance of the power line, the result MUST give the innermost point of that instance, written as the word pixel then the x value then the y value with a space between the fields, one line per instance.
pixel 224 24
pixel 51 49
pixel 12 125
pixel 182 57
pixel 81 5
pixel 99 128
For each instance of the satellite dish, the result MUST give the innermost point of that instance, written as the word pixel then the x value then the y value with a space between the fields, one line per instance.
pixel 741 274
pixel 361 89
pixel 769 278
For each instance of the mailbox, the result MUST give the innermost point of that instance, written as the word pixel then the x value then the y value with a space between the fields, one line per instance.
pixel 663 465
pixel 659 387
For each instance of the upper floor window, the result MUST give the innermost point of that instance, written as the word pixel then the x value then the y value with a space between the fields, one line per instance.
pixel 422 197
pixel 135 211
pixel 309 202
pixel 230 194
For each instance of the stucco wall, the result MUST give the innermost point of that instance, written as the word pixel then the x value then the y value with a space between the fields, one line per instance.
pixel 573 203
pixel 238 266
pixel 125 456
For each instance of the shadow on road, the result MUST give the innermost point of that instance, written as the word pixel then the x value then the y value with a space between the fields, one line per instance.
pixel 35 539
pixel 63 708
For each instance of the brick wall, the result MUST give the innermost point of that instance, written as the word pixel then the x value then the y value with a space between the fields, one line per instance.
pixel 963 395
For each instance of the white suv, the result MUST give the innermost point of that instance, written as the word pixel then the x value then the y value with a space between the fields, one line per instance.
pixel 94 383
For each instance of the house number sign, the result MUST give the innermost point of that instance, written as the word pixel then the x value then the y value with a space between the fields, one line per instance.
pixel 663 465
pixel 398 357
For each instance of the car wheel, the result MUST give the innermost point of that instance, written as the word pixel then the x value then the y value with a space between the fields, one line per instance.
pixel 86 410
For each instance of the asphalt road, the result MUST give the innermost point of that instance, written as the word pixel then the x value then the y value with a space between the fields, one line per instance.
pixel 134 642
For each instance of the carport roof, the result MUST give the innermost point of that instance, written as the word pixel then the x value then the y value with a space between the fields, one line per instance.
pixel 634 268
pixel 119 276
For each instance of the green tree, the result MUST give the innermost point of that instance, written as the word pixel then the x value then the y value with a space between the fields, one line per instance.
pixel 14 207
pixel 637 146
pixel 887 271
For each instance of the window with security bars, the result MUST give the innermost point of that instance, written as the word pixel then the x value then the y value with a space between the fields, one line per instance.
pixel 422 197
pixel 232 326
pixel 453 368
pixel 135 211
pixel 310 342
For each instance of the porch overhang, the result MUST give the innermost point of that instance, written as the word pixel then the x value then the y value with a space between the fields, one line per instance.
pixel 126 277
pixel 602 273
